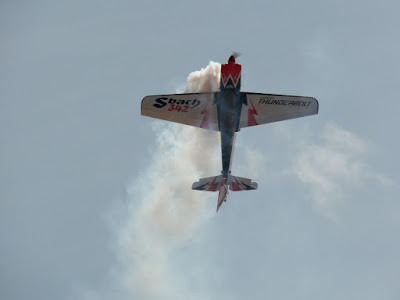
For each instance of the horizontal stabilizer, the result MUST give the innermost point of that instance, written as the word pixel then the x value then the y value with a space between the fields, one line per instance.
pixel 241 184
pixel 221 184
pixel 212 184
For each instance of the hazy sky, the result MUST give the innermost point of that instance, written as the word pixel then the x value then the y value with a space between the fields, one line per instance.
pixel 78 164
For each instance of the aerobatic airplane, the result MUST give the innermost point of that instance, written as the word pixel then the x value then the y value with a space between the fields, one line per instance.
pixel 227 111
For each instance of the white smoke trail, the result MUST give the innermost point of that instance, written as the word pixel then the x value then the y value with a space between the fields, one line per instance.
pixel 334 166
pixel 164 210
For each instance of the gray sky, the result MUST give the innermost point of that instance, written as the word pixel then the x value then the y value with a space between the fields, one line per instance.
pixel 324 222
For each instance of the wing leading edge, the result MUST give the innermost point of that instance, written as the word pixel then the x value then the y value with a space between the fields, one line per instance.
pixel 260 109
pixel 194 109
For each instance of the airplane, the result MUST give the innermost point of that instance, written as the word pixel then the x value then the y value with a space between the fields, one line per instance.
pixel 227 111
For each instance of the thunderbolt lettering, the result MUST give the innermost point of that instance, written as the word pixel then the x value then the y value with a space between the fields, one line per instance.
pixel 161 102
pixel 285 102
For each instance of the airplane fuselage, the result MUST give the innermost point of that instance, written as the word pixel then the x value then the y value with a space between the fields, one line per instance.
pixel 229 107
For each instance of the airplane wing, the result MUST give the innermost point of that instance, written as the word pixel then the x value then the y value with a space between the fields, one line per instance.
pixel 195 109
pixel 266 108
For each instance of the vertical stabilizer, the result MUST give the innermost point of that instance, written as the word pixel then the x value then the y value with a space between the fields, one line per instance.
pixel 223 193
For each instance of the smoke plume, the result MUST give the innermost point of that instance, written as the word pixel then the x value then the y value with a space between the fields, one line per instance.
pixel 164 212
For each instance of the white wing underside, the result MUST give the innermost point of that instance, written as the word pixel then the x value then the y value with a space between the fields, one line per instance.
pixel 195 109
pixel 268 108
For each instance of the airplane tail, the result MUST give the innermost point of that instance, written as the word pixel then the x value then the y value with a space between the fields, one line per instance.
pixel 235 183
pixel 221 184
